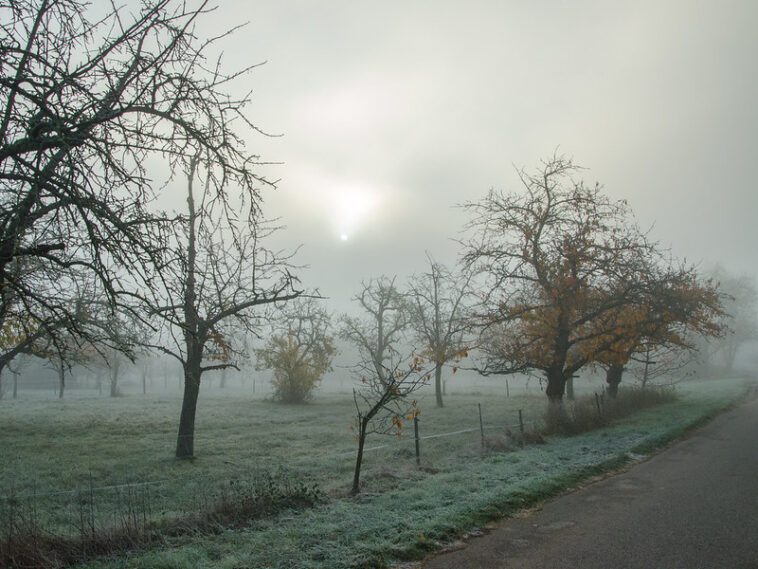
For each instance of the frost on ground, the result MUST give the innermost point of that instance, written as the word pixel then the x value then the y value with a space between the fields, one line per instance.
pixel 429 510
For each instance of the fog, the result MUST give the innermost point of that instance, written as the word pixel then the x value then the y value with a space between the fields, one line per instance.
pixel 378 123
pixel 393 113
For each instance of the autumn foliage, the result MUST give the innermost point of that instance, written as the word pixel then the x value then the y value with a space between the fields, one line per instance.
pixel 571 280
pixel 300 353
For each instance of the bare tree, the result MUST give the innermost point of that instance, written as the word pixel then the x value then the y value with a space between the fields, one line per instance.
pixel 387 376
pixel 101 337
pixel 740 300
pixel 436 301
pixel 15 368
pixel 652 362
pixel 218 283
pixel 87 101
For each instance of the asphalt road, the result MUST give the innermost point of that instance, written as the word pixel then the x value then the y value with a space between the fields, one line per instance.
pixel 693 506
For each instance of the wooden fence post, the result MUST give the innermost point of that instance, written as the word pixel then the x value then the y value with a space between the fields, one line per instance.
pixel 597 404
pixel 481 423
pixel 418 446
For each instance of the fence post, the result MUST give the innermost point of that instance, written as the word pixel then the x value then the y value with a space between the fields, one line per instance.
pixel 418 446
pixel 597 404
pixel 481 423
pixel 521 421
pixel 507 388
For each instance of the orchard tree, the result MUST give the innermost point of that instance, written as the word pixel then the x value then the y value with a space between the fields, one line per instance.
pixel 88 100
pixel 556 258
pixel 300 350
pixel 387 373
pixel 676 308
pixel 124 337
pixel 86 335
pixel 438 317
pixel 740 318
pixel 652 362
pixel 219 282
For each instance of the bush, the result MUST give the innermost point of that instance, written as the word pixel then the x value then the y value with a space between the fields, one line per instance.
pixel 294 384
pixel 300 353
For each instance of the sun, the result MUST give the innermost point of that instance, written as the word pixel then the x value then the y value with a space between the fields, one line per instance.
pixel 354 206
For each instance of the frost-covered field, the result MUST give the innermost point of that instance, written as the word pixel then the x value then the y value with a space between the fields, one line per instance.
pixel 63 445
pixel 56 451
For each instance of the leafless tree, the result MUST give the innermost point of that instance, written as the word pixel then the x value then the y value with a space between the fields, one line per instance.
pixel 87 101
pixel 438 317
pixel 217 285
pixel 740 319
pixel 387 375
pixel 101 336
pixel 653 362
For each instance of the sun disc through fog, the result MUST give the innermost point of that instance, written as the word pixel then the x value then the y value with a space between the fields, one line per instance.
pixel 354 208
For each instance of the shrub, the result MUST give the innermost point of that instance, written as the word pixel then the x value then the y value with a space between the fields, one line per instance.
pixel 299 353
pixel 294 380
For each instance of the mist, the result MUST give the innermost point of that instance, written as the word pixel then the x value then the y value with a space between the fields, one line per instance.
pixel 361 255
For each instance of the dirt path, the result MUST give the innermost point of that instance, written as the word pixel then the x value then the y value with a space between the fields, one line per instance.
pixel 694 506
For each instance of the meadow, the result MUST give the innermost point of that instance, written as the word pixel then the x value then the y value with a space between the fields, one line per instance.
pixel 117 453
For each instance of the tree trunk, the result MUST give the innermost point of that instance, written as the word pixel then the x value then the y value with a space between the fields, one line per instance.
pixel 556 385
pixel 115 366
pixel 438 384
pixel 613 377
pixel 144 382
pixel 185 441
pixel 61 380
pixel 362 427
pixel 193 339
pixel 15 384
pixel 222 381
pixel 730 353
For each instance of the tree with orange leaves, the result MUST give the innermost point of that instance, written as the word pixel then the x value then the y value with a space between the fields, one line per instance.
pixel 678 305
pixel 558 259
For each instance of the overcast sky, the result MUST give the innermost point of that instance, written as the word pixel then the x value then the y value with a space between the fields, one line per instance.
pixel 393 112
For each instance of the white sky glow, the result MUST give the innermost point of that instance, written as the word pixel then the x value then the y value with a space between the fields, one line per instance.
pixel 394 112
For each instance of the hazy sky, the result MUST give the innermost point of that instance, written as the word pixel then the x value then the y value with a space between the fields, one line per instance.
pixel 393 112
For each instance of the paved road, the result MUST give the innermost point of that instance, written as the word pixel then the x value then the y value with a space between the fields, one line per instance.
pixel 694 506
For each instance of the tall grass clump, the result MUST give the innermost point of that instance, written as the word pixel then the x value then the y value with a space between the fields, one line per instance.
pixel 26 541
pixel 597 410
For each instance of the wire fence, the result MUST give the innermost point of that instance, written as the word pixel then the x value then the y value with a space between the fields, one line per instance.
pixel 482 428
pixel 138 503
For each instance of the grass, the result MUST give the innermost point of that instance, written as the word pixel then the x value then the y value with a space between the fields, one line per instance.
pixel 404 511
